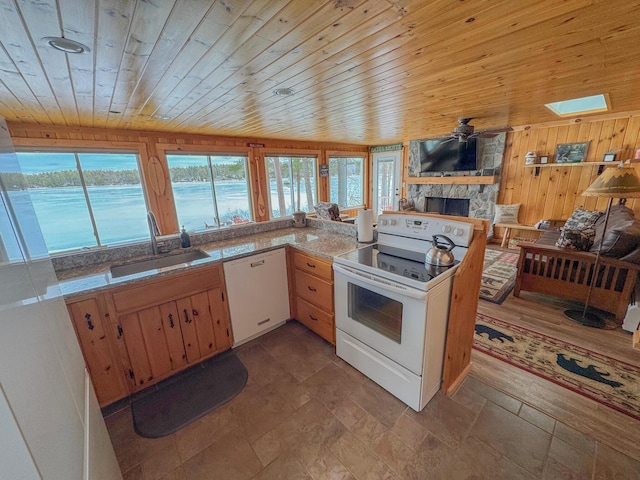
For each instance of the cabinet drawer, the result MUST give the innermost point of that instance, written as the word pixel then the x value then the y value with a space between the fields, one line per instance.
pixel 155 292
pixel 316 319
pixel 311 264
pixel 314 290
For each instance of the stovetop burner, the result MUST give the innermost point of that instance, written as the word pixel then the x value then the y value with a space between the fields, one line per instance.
pixel 398 261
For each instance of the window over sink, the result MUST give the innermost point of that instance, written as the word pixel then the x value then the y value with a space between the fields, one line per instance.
pixel 210 190
pixel 83 198
pixel 292 181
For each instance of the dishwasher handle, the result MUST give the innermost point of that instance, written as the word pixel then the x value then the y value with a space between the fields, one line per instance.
pixel 366 279
pixel 257 264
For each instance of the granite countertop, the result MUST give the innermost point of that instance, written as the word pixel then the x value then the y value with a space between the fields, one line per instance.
pixel 89 279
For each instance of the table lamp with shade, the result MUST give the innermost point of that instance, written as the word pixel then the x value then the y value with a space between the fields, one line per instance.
pixel 620 182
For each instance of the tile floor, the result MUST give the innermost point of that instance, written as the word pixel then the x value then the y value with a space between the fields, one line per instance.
pixel 306 414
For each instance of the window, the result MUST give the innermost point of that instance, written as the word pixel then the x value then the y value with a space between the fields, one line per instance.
pixel 210 191
pixel 84 199
pixel 292 184
pixel 346 181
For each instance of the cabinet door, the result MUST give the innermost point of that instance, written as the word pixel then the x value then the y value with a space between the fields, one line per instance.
pixel 154 346
pixel 220 319
pixel 102 362
pixel 188 326
pixel 173 334
pixel 203 324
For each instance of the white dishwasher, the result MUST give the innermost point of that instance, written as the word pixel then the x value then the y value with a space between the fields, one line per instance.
pixel 258 293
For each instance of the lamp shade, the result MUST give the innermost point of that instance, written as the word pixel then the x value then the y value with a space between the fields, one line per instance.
pixel 622 182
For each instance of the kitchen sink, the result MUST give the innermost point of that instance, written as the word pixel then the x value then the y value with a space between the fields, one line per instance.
pixel 130 268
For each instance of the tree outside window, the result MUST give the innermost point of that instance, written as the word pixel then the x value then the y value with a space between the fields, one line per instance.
pixel 210 191
pixel 292 184
pixel 346 181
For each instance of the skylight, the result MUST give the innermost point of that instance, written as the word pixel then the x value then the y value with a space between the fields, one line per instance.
pixel 592 104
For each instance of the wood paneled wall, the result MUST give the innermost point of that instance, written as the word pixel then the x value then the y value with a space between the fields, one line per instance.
pixel 555 192
pixel 151 145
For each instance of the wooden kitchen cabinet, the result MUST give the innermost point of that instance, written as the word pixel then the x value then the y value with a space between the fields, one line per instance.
pixel 313 294
pixel 163 337
pixel 138 334
pixel 92 324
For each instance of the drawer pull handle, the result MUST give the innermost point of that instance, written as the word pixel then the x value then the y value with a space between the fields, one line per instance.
pixel 264 321
pixel 171 324
pixel 257 264
pixel 310 265
pixel 311 288
pixel 313 318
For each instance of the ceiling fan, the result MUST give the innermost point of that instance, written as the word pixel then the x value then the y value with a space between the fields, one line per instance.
pixel 464 131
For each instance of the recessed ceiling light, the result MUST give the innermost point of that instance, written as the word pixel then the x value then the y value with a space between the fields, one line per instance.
pixel 66 45
pixel 283 91
pixel 575 106
pixel 162 116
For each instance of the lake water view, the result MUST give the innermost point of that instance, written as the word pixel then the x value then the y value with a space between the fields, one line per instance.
pixel 120 210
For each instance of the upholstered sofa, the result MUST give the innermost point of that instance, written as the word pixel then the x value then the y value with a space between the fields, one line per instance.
pixel 544 267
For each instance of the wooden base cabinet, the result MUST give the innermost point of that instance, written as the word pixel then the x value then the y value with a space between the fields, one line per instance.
pixel 136 335
pixel 173 322
pixel 313 299
pixel 164 339
pixel 107 368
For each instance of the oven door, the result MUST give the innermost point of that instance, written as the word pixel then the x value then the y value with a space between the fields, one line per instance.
pixel 385 316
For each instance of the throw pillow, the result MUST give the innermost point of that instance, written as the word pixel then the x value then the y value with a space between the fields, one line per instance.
pixel 579 230
pixel 622 233
pixel 507 213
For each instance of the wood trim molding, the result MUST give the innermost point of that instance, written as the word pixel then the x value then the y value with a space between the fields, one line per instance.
pixel 471 180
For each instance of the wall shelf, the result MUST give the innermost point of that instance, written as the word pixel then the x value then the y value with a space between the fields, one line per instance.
pixel 600 165
pixel 576 164
pixel 469 180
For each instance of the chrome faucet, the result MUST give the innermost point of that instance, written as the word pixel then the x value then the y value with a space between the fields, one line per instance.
pixel 153 230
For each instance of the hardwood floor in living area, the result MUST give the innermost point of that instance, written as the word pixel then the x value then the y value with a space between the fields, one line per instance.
pixel 544 314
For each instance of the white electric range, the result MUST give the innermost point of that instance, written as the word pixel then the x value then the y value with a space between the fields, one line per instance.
pixel 392 309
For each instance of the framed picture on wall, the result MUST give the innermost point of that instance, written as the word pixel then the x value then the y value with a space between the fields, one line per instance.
pixel 544 159
pixel 609 157
pixel 571 152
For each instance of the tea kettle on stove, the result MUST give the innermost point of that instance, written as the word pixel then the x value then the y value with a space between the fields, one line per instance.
pixel 440 255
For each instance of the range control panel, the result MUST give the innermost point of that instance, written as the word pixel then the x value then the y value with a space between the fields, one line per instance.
pixel 424 228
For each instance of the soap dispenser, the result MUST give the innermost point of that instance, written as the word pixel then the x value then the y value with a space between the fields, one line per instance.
pixel 185 241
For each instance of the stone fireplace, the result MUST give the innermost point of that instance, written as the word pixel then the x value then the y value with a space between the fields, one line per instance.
pixel 481 198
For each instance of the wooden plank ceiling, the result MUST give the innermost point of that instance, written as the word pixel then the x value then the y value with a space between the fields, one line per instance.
pixel 363 71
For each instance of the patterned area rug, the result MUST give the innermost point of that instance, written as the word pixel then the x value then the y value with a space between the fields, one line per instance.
pixel 498 275
pixel 601 378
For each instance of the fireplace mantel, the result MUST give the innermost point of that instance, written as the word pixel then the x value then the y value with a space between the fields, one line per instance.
pixel 459 180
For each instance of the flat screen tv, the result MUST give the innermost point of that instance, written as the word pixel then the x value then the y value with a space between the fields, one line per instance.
pixel 448 155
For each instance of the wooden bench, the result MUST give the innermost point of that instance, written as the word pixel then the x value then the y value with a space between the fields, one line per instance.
pixel 514 226
pixel 568 274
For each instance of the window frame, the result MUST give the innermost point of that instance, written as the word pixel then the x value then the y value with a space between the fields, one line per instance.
pixel 39 145
pixel 285 152
pixel 365 175
pixel 165 149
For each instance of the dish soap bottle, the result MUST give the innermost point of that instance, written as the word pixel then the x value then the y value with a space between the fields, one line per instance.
pixel 185 241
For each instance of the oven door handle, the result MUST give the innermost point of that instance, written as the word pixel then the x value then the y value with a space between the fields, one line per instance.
pixel 379 282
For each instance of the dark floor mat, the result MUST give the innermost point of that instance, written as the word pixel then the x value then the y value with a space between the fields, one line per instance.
pixel 188 396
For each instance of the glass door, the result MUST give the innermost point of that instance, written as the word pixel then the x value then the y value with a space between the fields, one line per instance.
pixel 386 181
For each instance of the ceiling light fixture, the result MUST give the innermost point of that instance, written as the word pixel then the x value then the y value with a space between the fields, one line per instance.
pixel 162 116
pixel 66 45
pixel 283 92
